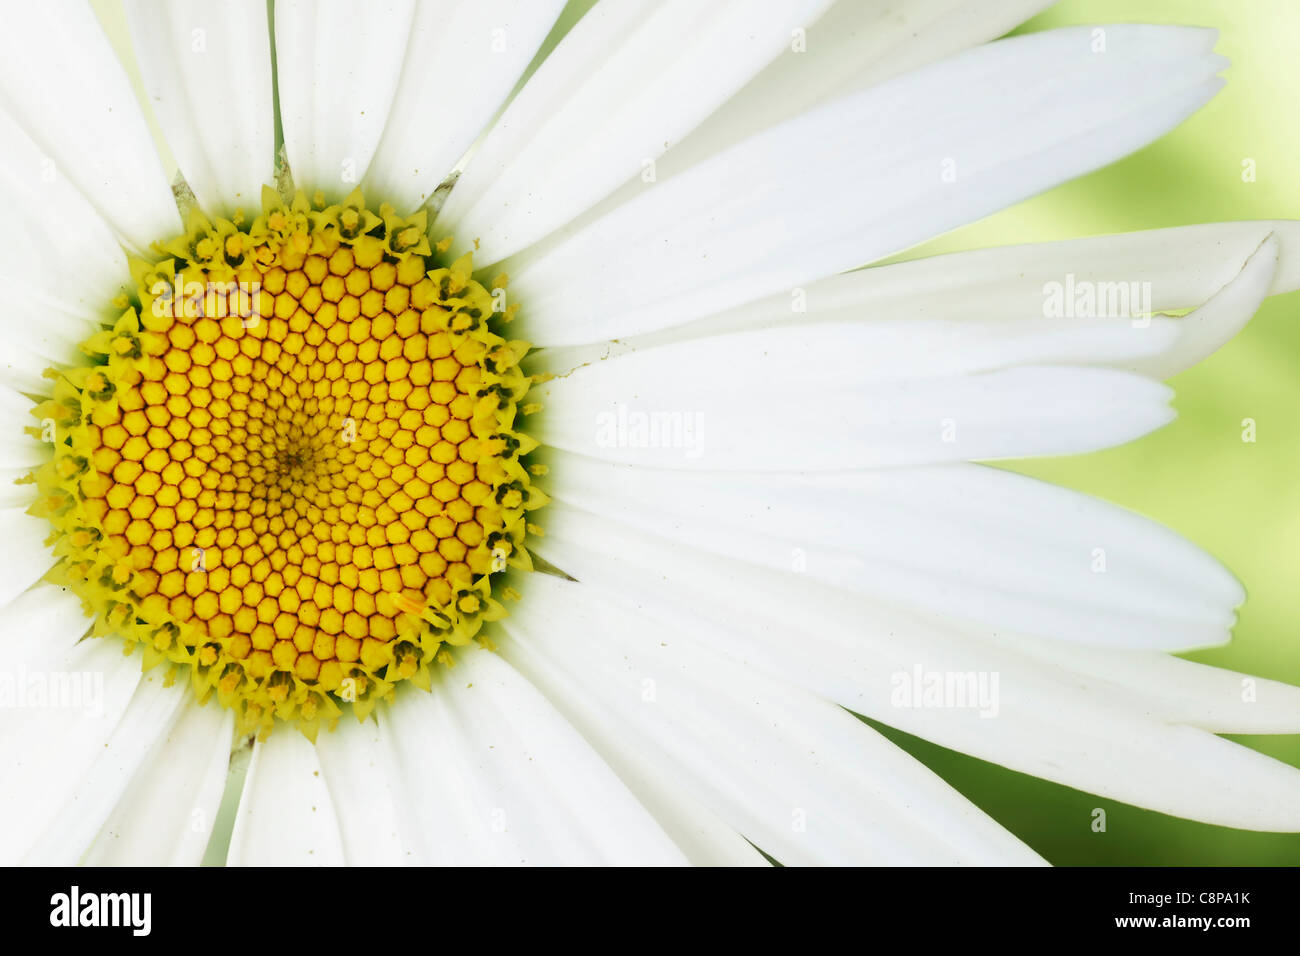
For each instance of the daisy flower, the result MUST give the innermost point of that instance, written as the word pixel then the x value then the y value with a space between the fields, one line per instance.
pixel 509 453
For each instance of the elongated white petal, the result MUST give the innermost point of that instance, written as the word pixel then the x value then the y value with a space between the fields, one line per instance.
pixel 1083 293
pixel 60 263
pixel 829 352
pixel 89 800
pixel 286 816
pixel 861 178
pixel 166 814
pixel 625 84
pixel 1175 690
pixel 207 70
pixel 337 65
pixel 485 771
pixel 78 108
pixel 55 229
pixel 797 776
pixel 968 542
pixel 47 621
pixel 1180 268
pixel 1215 323
pixel 356 764
pixel 19 452
pixel 1022 711
pixel 724 407
pixel 462 59
pixel 62 703
pixel 25 558
pixel 701 835
pixel 368 765
pixel 856 44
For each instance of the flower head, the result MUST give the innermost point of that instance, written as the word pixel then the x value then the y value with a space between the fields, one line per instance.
pixel 303 411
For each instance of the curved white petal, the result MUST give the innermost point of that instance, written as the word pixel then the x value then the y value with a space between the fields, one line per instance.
pixel 206 68
pixel 24 558
pixel 797 776
pixel 462 59
pixel 19 452
pixel 166 814
pixel 866 176
pixel 88 802
pixel 286 816
pixel 62 702
pixel 62 84
pixel 1213 325
pixel 1044 717
pixel 356 764
pixel 484 770
pixel 337 65
pixel 1184 266
pixel 372 765
pixel 1101 290
pixel 721 405
pixel 60 263
pixel 46 621
pixel 480 771
pixel 856 44
pixel 969 542
pixel 624 85
pixel 1172 689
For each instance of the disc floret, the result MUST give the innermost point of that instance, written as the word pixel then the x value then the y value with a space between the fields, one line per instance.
pixel 289 465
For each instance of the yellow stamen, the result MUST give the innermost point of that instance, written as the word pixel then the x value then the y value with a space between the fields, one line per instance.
pixel 290 465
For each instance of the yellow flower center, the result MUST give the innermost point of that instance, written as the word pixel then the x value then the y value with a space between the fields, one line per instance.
pixel 291 465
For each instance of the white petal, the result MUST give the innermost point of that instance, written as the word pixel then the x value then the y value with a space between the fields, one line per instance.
pixel 968 542
pixel 462 59
pixel 484 770
pixel 830 351
pixel 207 71
pixel 24 558
pixel 1042 718
pixel 1210 327
pixel 86 805
pixel 704 838
pixel 357 766
pixel 866 176
pixel 1184 267
pixel 721 404
pixel 63 702
pixel 47 621
pixel 797 776
pixel 856 44
pixel 625 84
pixel 1175 690
pixel 61 82
pixel 1021 291
pixel 286 816
pixel 166 814
pixel 19 452
pixel 337 66
pixel 60 263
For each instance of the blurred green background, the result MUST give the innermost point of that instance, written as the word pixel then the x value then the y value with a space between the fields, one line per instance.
pixel 1239 501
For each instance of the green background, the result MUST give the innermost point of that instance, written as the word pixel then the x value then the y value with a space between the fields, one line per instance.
pixel 1239 501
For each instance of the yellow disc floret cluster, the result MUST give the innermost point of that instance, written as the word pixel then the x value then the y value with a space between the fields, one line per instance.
pixel 291 463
